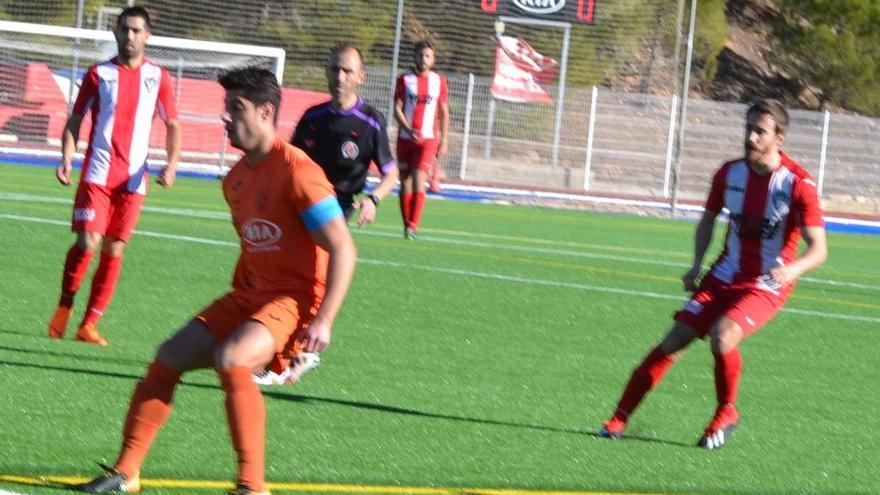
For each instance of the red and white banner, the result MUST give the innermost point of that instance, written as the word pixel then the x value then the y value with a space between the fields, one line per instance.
pixel 521 73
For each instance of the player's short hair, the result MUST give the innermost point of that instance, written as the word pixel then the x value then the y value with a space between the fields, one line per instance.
pixel 135 11
pixel 421 45
pixel 258 86
pixel 773 108
pixel 345 45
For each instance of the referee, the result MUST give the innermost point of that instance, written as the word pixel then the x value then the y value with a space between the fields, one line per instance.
pixel 345 134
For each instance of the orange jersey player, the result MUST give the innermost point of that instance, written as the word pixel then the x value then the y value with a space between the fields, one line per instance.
pixel 296 263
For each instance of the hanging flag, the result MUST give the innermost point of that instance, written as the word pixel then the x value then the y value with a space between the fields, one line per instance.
pixel 521 73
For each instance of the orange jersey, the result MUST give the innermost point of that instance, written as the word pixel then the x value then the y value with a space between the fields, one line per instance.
pixel 275 205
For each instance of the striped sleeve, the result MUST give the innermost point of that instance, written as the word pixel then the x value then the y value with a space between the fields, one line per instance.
pixel 165 103
pixel 88 91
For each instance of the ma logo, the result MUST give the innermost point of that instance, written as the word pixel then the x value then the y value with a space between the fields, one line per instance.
pixel 540 6
pixel 260 233
pixel 150 83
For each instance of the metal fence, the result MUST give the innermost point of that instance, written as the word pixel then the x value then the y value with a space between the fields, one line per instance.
pixel 610 142
pixel 616 143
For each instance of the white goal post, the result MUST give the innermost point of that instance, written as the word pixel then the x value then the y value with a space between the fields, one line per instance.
pixel 41 66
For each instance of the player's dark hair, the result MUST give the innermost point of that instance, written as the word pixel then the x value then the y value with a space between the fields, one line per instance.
pixel 135 11
pixel 421 45
pixel 773 108
pixel 341 47
pixel 257 85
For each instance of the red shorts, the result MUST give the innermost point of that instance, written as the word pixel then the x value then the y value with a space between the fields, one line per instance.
pixel 416 156
pixel 285 316
pixel 110 213
pixel 751 307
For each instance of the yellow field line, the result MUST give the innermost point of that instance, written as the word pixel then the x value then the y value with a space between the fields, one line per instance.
pixel 308 487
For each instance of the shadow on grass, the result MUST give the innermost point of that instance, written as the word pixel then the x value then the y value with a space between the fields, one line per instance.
pixel 69 355
pixel 306 399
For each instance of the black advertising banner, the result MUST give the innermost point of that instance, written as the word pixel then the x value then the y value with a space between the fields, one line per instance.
pixel 573 11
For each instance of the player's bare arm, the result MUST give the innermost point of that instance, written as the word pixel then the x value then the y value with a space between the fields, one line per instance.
pixel 173 143
pixel 68 148
pixel 702 240
pixel 814 255
pixel 444 130
pixel 335 238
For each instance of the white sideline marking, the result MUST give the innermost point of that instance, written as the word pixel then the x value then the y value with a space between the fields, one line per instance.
pixel 466 273
pixel 375 231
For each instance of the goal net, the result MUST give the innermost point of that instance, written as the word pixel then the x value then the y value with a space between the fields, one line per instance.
pixel 41 68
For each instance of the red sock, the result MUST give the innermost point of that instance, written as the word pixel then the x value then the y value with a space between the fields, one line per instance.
pixel 75 267
pixel 435 173
pixel 149 409
pixel 418 205
pixel 406 208
pixel 103 287
pixel 728 368
pixel 643 379
pixel 246 413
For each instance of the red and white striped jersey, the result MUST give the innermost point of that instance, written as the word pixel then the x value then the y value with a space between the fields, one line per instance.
pixel 123 102
pixel 421 97
pixel 766 214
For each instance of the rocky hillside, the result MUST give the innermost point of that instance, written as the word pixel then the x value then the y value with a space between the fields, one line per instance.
pixel 744 71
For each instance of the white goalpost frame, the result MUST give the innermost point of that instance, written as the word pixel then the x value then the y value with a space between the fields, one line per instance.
pixel 277 54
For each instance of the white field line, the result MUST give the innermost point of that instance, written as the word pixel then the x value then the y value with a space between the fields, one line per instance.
pixel 377 231
pixel 468 273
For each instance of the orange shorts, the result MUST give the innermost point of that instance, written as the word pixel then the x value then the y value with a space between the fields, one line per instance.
pixel 98 209
pixel 286 316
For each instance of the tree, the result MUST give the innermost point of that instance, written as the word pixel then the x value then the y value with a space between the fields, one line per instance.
pixel 832 45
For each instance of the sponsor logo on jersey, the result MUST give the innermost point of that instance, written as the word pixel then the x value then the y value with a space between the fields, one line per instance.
pixel 150 83
pixel 350 150
pixel 540 6
pixel 755 227
pixel 260 233
pixel 83 214
pixel 421 100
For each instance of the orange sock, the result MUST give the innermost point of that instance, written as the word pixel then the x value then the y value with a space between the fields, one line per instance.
pixel 246 413
pixel 148 411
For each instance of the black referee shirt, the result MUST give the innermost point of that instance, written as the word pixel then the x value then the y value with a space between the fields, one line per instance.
pixel 343 143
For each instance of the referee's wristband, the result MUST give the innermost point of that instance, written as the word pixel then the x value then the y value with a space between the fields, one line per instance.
pixel 375 199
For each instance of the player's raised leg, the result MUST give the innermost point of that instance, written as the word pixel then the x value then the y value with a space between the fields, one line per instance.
pixel 192 347
pixel 646 376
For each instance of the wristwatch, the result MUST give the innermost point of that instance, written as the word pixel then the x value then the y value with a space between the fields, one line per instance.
pixel 375 199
